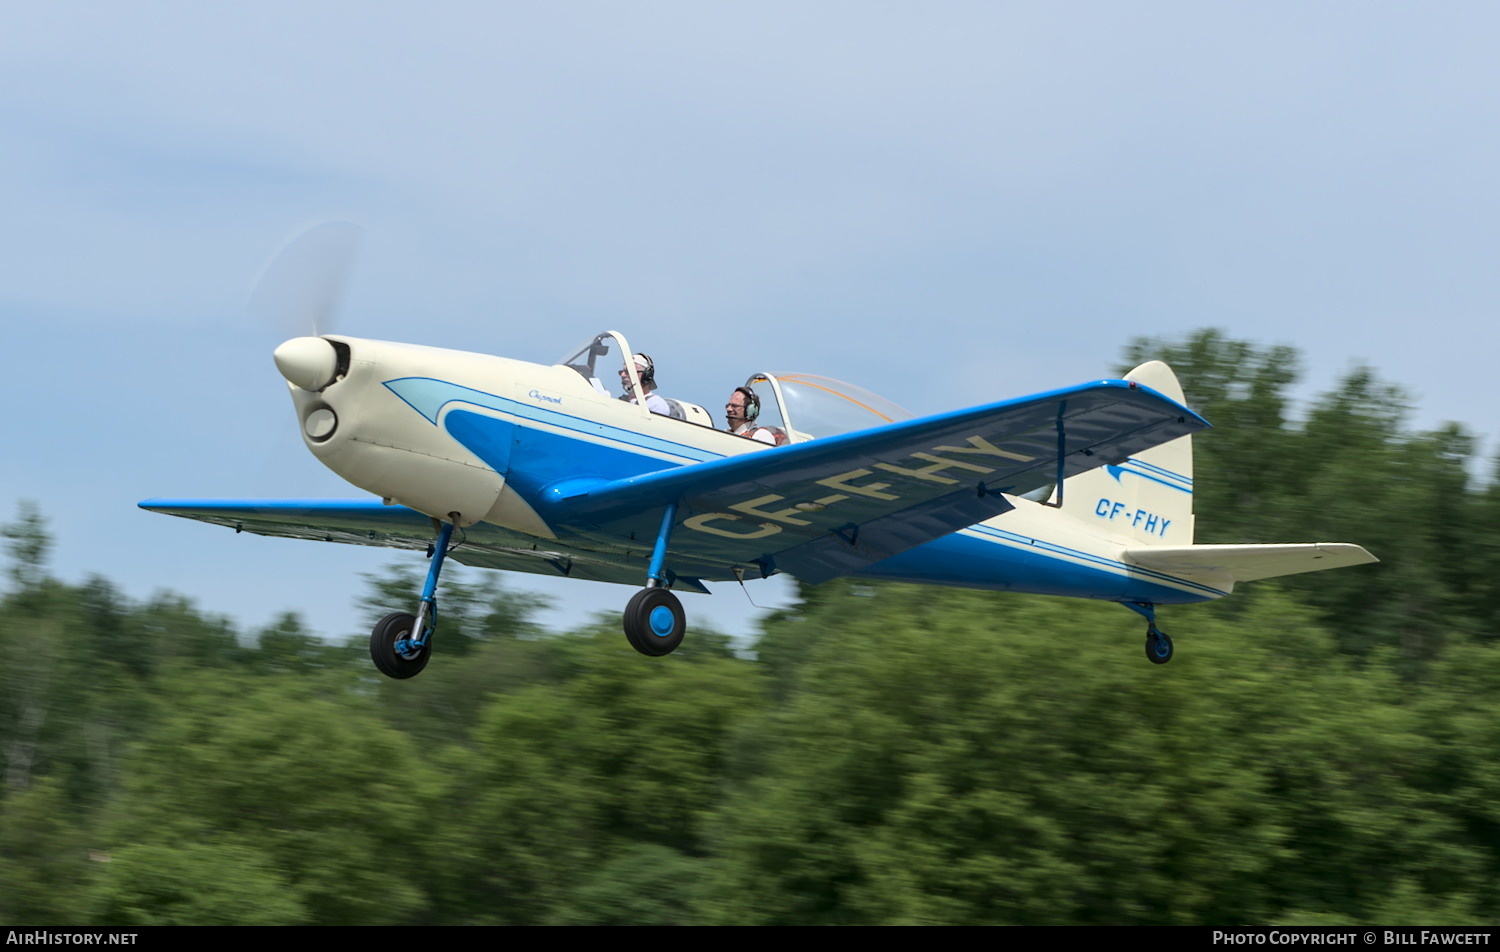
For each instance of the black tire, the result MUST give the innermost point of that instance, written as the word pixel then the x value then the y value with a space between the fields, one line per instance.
pixel 397 626
pixel 655 622
pixel 1158 646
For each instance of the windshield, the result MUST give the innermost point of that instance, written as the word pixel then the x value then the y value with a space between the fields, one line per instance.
pixel 814 406
pixel 602 363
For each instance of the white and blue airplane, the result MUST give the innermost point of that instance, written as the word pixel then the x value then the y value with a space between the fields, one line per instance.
pixel 1084 492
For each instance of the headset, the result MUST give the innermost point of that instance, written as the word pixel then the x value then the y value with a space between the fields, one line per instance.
pixel 648 376
pixel 752 403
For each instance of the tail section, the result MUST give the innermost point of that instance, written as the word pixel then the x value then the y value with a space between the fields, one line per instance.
pixel 1147 499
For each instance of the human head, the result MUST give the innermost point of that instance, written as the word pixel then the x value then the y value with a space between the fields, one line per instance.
pixel 645 369
pixel 743 407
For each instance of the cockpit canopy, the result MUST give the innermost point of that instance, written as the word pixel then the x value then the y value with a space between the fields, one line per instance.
pixel 803 406
pixel 810 406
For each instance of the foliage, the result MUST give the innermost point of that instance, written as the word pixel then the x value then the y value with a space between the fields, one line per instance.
pixel 620 755
pixel 960 757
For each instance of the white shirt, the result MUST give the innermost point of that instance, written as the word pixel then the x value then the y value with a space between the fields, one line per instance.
pixel 655 404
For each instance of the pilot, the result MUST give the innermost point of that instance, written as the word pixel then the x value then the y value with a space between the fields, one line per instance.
pixel 646 371
pixel 740 413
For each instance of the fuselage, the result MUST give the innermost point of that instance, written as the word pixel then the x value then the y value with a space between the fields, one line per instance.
pixel 480 441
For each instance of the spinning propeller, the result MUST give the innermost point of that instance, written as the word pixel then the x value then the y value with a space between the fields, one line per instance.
pixel 300 293
pixel 301 290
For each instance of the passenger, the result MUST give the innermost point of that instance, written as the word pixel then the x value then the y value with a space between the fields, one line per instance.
pixel 646 371
pixel 740 413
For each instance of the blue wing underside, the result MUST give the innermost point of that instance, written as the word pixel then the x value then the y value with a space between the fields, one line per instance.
pixel 817 510
pixel 370 522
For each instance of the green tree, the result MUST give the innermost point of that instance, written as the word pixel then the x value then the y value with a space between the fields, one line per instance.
pixel 28 547
pixel 969 758
pixel 194 884
pixel 293 783
pixel 44 868
pixel 569 785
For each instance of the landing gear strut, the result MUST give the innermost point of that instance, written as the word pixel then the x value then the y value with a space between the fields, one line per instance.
pixel 1158 643
pixel 654 619
pixel 401 643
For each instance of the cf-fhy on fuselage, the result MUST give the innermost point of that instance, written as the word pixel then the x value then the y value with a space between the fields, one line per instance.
pixel 542 469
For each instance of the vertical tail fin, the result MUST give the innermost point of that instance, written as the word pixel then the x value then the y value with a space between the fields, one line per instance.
pixel 1148 499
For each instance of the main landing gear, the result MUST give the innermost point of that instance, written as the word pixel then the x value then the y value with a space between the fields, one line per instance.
pixel 1158 643
pixel 401 643
pixel 654 620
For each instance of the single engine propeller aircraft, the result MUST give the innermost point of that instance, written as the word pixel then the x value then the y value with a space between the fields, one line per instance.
pixel 1084 492
pixel 511 465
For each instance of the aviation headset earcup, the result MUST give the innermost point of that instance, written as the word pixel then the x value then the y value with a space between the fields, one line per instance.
pixel 752 403
pixel 648 376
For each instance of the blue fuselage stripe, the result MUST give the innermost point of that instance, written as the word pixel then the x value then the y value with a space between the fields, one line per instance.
pixel 1155 474
pixel 429 396
pixel 1158 470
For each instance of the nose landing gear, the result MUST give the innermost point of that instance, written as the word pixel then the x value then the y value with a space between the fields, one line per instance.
pixel 395 650
pixel 401 643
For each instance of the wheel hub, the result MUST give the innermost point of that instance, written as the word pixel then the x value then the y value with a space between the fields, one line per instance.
pixel 662 621
pixel 407 648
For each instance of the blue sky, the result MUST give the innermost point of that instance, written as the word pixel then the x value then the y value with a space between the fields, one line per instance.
pixel 943 202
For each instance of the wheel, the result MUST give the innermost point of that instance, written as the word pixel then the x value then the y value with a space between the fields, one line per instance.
pixel 654 622
pixel 1158 645
pixel 391 648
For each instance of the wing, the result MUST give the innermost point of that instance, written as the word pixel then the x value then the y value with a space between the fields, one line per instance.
pixel 827 507
pixel 370 522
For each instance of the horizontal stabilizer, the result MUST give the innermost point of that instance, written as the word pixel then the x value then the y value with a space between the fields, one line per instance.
pixel 1223 565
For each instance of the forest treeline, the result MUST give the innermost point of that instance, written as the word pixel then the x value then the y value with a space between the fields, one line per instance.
pixel 1323 750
